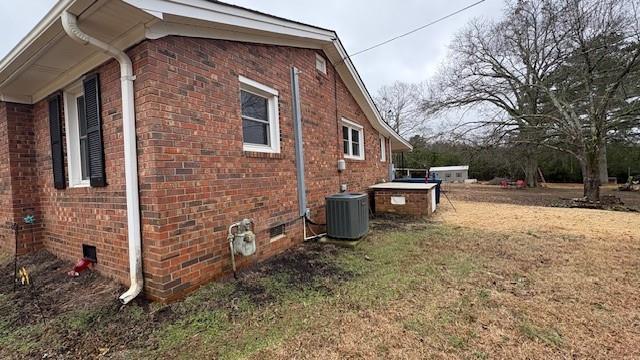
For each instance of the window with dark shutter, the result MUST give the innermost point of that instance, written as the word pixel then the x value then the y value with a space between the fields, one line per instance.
pixel 55 131
pixel 94 146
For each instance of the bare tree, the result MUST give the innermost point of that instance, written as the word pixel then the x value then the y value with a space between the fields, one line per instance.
pixel 600 47
pixel 400 105
pixel 554 69
pixel 499 65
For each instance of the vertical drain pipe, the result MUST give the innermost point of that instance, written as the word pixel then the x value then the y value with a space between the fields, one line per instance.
pixel 70 25
pixel 297 130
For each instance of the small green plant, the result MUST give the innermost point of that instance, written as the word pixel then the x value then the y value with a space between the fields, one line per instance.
pixel 457 341
pixel 546 335
pixel 480 355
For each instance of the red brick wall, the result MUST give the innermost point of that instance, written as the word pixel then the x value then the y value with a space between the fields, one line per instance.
pixel 84 215
pixel 198 179
pixel 18 190
pixel 195 179
pixel 417 202
pixel 7 237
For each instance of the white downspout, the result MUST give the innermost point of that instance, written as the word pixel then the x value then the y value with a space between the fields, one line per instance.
pixel 70 24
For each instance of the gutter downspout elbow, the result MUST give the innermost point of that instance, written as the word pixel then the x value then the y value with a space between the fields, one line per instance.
pixel 70 25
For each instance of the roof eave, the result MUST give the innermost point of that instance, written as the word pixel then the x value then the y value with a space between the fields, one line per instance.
pixel 39 29
pixel 217 12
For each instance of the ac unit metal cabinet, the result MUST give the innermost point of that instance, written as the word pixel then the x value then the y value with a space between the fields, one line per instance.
pixel 347 215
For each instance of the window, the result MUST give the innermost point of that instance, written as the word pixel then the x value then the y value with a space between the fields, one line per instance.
pixel 353 140
pixel 321 64
pixel 458 175
pixel 76 125
pixel 260 127
pixel 383 149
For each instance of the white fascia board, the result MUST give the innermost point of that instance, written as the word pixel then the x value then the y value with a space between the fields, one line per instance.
pixel 16 99
pixel 161 29
pixel 230 15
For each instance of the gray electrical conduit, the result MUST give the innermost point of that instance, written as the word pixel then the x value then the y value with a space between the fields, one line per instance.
pixel 299 147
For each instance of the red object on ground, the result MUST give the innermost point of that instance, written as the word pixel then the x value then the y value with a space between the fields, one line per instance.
pixel 504 184
pixel 520 184
pixel 80 266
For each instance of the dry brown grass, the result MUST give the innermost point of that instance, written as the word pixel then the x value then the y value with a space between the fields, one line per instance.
pixel 525 282
pixel 490 280
pixel 595 224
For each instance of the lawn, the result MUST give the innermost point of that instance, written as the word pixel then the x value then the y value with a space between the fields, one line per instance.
pixel 489 280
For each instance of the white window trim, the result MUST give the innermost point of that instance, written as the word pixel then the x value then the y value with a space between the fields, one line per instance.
pixel 353 126
pixel 72 135
pixel 383 149
pixel 271 94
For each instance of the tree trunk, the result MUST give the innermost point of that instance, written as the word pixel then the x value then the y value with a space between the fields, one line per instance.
pixel 591 176
pixel 531 170
pixel 603 171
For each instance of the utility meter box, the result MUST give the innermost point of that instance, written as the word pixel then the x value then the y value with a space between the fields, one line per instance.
pixel 347 215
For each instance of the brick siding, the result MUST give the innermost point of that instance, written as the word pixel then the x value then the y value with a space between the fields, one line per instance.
pixel 417 202
pixel 18 171
pixel 194 177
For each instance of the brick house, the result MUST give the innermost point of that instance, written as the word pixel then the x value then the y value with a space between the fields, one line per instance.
pixel 144 128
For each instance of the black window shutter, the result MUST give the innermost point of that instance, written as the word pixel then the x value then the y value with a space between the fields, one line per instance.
pixel 55 131
pixel 97 174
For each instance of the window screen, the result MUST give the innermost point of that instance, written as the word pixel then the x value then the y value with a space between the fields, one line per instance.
pixel 82 129
pixel 255 118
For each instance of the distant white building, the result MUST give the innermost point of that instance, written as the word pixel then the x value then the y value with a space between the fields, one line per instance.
pixel 450 173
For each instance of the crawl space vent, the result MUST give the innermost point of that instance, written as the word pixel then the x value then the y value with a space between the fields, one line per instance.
pixel 89 252
pixel 276 231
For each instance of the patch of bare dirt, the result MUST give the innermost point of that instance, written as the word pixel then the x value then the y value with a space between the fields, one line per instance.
pixel 304 267
pixel 72 317
pixel 51 291
pixel 81 317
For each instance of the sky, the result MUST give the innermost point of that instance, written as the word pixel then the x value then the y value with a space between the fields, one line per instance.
pixel 359 23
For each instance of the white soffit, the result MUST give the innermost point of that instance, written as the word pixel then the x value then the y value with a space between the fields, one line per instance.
pixel 47 59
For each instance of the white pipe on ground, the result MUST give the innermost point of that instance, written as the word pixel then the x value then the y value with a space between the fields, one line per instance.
pixel 70 24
